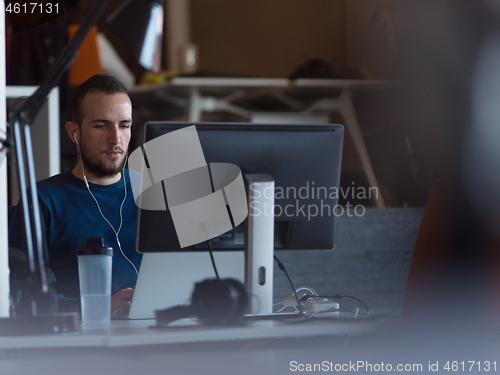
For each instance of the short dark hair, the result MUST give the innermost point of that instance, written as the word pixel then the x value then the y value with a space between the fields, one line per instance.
pixel 97 83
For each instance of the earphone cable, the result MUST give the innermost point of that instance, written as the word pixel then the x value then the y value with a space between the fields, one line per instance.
pixel 121 207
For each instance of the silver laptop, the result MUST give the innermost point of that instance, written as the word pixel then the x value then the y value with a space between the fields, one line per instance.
pixel 167 279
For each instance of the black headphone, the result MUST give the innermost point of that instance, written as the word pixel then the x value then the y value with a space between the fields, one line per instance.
pixel 213 301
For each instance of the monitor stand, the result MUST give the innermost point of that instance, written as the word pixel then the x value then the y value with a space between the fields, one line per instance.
pixel 167 279
pixel 259 242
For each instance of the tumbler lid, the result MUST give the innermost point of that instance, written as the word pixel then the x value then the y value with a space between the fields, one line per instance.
pixel 94 246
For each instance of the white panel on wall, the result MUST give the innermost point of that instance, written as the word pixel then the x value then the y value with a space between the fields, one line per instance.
pixel 4 253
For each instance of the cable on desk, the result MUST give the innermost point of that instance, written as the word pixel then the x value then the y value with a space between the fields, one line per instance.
pixel 338 297
pixel 282 267
pixel 311 291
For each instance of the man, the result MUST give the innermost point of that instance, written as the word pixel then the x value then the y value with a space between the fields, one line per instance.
pixel 95 198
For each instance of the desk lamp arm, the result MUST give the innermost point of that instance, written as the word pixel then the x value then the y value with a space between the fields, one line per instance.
pixel 22 117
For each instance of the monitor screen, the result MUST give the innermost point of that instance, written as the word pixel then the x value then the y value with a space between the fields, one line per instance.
pixel 303 160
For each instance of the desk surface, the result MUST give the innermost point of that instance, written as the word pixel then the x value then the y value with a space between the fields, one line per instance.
pixel 130 347
pixel 119 333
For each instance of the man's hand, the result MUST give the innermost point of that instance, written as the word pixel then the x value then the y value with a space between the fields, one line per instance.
pixel 120 302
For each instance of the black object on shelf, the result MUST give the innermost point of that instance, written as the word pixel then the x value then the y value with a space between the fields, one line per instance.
pixel 41 324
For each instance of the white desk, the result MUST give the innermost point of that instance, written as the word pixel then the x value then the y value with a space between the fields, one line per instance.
pixel 131 347
pixel 120 333
pixel 198 95
pixel 262 348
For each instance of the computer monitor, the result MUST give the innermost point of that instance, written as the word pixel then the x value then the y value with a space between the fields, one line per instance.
pixel 303 160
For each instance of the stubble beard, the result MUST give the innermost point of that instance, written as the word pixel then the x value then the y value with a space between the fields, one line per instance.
pixel 97 167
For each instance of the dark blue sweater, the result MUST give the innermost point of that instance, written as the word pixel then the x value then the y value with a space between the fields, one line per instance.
pixel 69 215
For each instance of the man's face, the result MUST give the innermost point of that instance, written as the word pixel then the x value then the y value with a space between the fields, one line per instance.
pixel 105 133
